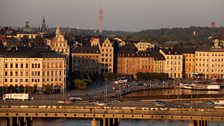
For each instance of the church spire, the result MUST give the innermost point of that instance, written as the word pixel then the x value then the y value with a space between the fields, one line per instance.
pixel 43 26
pixel 57 32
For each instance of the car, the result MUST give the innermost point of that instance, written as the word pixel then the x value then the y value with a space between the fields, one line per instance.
pixel 75 99
pixel 209 102
pixel 99 103
pixel 116 101
pixel 123 80
pixel 159 103
pixel 64 102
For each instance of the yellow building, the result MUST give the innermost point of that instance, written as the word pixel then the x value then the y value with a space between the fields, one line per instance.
pixel 142 46
pixel 95 41
pixel 159 61
pixel 188 62
pixel 59 43
pixel 26 32
pixel 28 35
pixel 107 56
pixel 173 63
pixel 101 53
pixel 209 62
pixel 32 68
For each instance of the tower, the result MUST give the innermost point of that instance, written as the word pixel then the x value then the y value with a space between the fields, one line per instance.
pixel 43 26
pixel 100 20
pixel 27 27
pixel 57 32
pixel 213 25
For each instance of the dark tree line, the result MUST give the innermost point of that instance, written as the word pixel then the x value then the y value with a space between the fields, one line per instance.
pixel 151 76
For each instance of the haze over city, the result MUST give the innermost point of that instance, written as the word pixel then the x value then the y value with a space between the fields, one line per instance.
pixel 125 15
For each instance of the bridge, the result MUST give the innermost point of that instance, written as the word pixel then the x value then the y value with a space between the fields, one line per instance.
pixel 22 115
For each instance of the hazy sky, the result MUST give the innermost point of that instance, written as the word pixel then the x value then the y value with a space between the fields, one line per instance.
pixel 129 15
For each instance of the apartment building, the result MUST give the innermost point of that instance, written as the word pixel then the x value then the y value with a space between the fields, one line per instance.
pixel 29 67
pixel 173 62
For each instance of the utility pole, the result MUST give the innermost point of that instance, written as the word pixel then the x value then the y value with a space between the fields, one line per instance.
pixel 106 90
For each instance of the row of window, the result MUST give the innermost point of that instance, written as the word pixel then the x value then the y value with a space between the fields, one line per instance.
pixel 129 66
pixel 61 50
pixel 212 70
pixel 61 45
pixel 33 80
pixel 33 65
pixel 173 63
pixel 85 61
pixel 173 69
pixel 219 60
pixel 173 57
pixel 11 65
pixel 213 65
pixel 33 73
pixel 107 55
pixel 200 54
pixel 190 60
pixel 174 75
pixel 106 59
pixel 107 50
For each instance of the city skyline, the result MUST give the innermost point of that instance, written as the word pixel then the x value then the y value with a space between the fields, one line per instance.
pixel 122 15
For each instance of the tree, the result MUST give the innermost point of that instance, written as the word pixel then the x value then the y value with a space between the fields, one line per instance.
pixel 81 84
pixel 151 76
pixel 47 89
pixel 110 76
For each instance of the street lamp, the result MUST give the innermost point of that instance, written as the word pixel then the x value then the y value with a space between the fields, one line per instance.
pixel 106 90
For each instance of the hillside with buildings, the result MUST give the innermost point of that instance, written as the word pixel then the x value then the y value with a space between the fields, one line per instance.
pixel 191 36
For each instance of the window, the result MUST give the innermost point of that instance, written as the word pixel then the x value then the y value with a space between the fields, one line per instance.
pixel 27 65
pixel 11 65
pixel 16 65
pixel 6 65
pixel 6 73
pixel 21 65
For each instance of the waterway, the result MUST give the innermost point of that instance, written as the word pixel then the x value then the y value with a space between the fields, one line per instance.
pixel 174 91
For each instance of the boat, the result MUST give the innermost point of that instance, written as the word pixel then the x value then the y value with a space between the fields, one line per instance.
pixel 199 86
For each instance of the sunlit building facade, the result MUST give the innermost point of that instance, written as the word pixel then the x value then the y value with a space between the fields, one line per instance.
pixel 32 68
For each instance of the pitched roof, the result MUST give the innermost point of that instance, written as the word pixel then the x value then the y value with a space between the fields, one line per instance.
pixel 28 53
pixel 157 55
pixel 171 51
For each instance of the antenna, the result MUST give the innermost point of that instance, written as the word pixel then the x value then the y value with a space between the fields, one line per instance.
pixel 100 20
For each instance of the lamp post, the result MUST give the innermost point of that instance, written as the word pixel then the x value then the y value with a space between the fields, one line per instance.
pixel 106 90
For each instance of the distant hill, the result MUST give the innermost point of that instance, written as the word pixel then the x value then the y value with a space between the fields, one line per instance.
pixel 195 35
